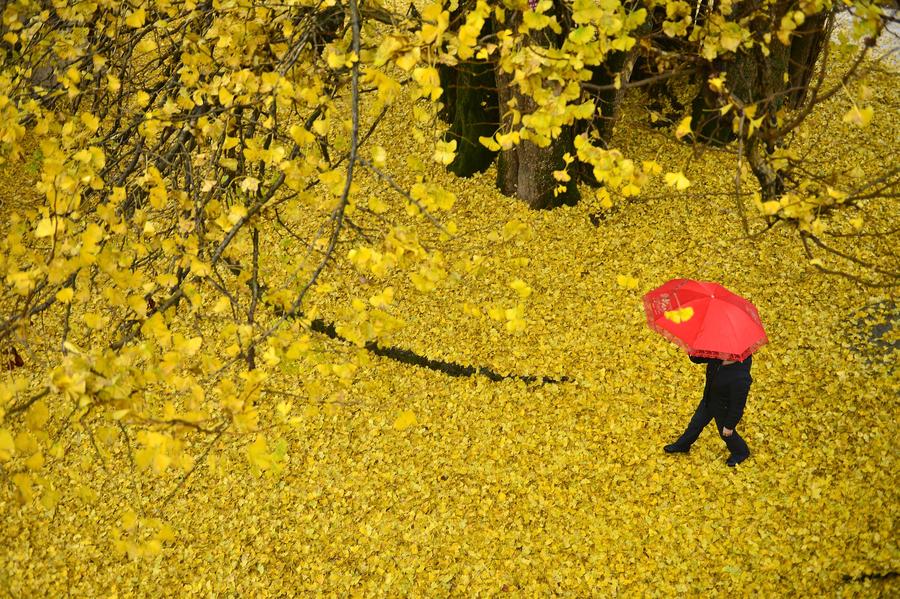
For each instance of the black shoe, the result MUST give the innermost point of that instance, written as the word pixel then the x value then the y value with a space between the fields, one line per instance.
pixel 675 448
pixel 734 461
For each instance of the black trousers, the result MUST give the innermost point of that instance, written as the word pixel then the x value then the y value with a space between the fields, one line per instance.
pixel 705 412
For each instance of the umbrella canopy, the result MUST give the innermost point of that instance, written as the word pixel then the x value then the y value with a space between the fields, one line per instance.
pixel 705 319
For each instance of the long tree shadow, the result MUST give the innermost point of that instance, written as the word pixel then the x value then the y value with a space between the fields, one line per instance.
pixel 449 368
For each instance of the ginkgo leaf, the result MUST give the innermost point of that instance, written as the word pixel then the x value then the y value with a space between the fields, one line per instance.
pixel 408 61
pixel 445 151
pixel 377 205
pixel 226 98
pixel 406 419
pixel 128 520
pixel 627 281
pixel 379 156
pixel 489 143
pixel 258 454
pixel 45 228
pixel 7 446
pixel 250 185
pixel 771 207
pixel 860 117
pixel 90 121
pixel 383 299
pixel 677 180
pixel 136 18
pixel 37 416
pixel 236 213
pixel 605 199
pixel 24 486
pixel 651 167
pixel 335 60
pixel 684 127
pixel 521 288
pixel 680 315
pixel 731 36
pixel 301 135
pixel 50 499
pixel 35 462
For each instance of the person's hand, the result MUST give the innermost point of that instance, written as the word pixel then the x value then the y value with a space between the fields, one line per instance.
pixel 726 432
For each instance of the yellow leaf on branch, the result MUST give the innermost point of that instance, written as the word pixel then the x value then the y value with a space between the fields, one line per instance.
pixel 136 18
pixel 677 180
pixel 859 117
pixel 684 127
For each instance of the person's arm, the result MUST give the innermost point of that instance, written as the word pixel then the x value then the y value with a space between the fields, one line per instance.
pixel 737 400
pixel 699 360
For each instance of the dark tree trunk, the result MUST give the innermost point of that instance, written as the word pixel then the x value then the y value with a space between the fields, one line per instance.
pixel 772 81
pixel 805 50
pixel 617 66
pixel 475 97
pixel 752 78
pixel 608 101
pixel 449 75
pixel 526 170
pixel 471 110
pixel 771 182
pixel 469 106
pixel 663 103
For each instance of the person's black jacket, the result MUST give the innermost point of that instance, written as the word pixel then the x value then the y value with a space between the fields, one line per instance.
pixel 726 387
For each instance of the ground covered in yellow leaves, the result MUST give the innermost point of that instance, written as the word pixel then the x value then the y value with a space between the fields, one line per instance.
pixel 413 482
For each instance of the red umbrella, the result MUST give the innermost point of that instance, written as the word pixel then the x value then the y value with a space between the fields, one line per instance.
pixel 705 319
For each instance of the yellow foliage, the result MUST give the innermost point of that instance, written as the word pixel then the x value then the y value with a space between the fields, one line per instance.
pixel 626 281
pixel 680 315
pixel 7 445
pixel 860 117
pixel 684 128
pixel 677 180
pixel 405 420
pixel 174 348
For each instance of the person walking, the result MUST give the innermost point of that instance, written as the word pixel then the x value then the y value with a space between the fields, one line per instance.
pixel 724 398
pixel 718 328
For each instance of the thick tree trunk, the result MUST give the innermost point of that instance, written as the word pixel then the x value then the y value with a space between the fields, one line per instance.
pixel 771 81
pixel 469 105
pixel 448 75
pixel 508 162
pixel 751 77
pixel 614 101
pixel 526 170
pixel 471 110
pixel 617 66
pixel 805 50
